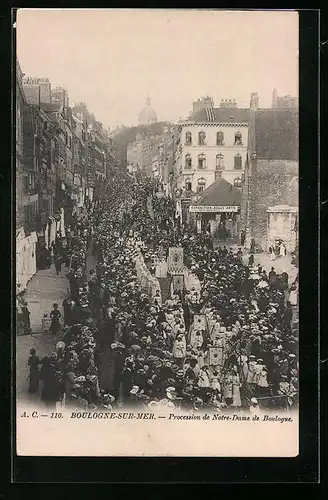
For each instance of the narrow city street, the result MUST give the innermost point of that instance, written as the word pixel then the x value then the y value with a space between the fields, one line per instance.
pixel 43 290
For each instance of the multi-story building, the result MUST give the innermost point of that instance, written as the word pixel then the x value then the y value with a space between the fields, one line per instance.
pixel 62 155
pixel 26 238
pixel 212 145
pixel 60 95
pixel 79 158
pixel 20 103
pixel 163 158
pixel 37 90
pixel 283 102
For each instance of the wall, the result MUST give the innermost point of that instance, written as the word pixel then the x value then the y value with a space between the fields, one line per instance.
pixel 19 155
pixel 281 225
pixel 274 182
pixel 37 92
pixel 25 257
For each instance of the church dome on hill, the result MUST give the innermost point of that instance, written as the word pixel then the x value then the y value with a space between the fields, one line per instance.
pixel 147 115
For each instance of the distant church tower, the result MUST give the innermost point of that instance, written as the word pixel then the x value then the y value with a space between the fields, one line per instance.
pixel 147 115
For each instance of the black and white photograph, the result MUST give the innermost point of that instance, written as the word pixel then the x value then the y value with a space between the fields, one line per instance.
pixel 157 183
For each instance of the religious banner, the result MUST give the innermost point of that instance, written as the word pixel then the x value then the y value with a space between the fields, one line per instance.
pixel 200 322
pixel 175 260
pixel 216 356
pixel 178 283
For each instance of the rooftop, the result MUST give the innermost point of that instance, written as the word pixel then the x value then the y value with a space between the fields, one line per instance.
pixel 222 115
pixel 51 107
pixel 220 193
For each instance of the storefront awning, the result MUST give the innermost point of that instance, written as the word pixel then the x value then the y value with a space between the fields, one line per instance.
pixel 221 196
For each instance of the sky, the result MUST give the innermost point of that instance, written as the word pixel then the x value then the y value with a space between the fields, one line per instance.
pixel 112 58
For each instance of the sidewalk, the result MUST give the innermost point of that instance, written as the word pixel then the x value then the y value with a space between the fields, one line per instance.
pixel 44 289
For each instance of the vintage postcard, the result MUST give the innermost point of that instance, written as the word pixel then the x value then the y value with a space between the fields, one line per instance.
pixel 156 233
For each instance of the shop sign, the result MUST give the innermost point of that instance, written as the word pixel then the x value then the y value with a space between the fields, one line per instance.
pixel 214 208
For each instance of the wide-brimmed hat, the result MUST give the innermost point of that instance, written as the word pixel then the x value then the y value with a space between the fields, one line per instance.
pixel 135 389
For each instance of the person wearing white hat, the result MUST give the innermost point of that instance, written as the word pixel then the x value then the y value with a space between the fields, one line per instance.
pixel 254 406
pixel 179 349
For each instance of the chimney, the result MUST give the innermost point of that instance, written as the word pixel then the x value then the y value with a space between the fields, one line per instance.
pixel 274 99
pixel 254 105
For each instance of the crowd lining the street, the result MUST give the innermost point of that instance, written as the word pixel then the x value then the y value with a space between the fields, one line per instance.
pixel 243 353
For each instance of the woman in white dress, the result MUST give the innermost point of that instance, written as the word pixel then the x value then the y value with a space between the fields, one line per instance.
pixel 179 349
pixel 262 384
pixel 235 379
pixel 197 339
pixel 227 386
pixel 282 250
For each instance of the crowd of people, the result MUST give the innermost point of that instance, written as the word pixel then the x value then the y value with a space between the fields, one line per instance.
pixel 232 343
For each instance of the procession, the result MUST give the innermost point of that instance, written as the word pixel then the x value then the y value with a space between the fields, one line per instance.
pixel 156 215
pixel 226 342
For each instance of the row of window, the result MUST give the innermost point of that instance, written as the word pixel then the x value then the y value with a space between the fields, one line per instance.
pixel 219 161
pixel 219 139
pixel 201 183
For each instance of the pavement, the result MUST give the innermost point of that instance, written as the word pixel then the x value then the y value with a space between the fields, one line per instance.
pixel 43 290
pixel 280 265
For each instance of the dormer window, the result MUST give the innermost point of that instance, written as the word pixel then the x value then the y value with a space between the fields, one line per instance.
pixel 201 139
pixel 188 140
pixel 238 139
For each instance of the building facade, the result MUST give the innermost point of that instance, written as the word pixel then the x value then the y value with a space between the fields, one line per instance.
pixel 25 237
pixel 63 157
pixel 152 154
pixel 283 102
pixel 213 145
pixel 37 90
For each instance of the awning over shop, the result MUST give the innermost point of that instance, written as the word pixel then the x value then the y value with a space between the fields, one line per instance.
pixel 221 196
